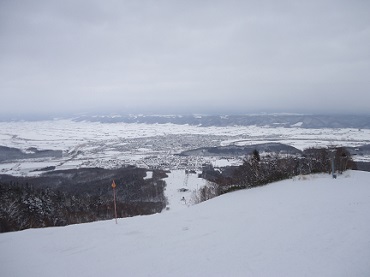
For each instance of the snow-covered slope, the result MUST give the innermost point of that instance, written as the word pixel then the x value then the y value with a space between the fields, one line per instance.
pixel 312 226
pixel 181 189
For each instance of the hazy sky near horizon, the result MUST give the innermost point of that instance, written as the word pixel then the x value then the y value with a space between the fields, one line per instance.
pixel 134 56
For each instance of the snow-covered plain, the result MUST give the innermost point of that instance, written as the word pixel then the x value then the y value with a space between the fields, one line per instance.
pixel 109 145
pixel 308 226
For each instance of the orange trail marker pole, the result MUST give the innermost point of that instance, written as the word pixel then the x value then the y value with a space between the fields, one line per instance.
pixel 114 200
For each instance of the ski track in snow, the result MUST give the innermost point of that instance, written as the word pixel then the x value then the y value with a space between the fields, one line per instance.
pixel 308 226
pixel 190 185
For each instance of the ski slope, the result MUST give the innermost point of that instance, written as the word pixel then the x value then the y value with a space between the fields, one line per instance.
pixel 311 226
pixel 182 188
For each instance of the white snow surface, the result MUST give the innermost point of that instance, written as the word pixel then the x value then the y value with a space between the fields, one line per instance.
pixel 181 188
pixel 307 226
pixel 113 145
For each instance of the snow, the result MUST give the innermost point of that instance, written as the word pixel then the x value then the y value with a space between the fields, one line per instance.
pixel 223 162
pixel 307 226
pixel 66 134
pixel 149 175
pixel 113 145
pixel 181 188
pixel 298 124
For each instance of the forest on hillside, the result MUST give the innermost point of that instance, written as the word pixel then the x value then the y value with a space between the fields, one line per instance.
pixel 258 170
pixel 64 197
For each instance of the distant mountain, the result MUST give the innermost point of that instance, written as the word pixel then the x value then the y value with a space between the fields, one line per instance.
pixel 274 120
pixel 10 153
pixel 234 150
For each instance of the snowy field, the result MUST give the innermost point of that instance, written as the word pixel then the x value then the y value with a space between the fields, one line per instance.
pixel 111 145
pixel 311 226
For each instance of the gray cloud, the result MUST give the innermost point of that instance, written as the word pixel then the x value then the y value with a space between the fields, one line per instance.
pixel 184 56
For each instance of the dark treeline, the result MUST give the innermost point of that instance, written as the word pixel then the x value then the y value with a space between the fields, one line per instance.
pixel 66 197
pixel 257 170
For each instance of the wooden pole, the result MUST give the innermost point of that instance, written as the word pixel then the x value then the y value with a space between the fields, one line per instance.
pixel 114 200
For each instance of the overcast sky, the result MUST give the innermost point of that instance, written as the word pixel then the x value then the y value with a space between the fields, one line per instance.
pixel 184 56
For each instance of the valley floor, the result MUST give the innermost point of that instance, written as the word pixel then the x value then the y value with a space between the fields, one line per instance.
pixel 114 145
